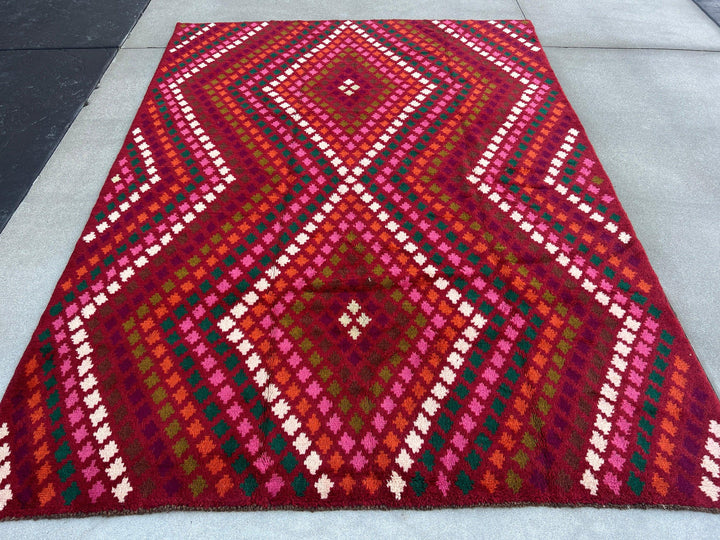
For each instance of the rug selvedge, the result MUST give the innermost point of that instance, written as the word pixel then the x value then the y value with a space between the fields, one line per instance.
pixel 357 264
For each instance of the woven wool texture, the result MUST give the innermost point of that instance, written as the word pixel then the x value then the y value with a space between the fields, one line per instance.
pixel 357 264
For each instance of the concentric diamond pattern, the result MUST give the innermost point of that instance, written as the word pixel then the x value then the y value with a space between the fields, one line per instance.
pixel 357 264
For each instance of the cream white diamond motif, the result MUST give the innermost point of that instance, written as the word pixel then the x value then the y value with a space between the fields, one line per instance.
pixel 349 87
pixel 354 318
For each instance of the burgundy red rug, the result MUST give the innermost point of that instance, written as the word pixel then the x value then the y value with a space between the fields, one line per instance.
pixel 357 264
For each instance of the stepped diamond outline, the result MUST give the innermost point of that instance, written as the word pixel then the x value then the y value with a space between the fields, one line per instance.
pixel 475 323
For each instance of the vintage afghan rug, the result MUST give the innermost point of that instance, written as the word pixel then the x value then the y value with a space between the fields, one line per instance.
pixel 357 264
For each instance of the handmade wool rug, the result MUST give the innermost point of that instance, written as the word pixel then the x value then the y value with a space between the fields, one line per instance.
pixel 357 264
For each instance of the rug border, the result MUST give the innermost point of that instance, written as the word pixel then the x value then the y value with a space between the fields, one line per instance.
pixel 357 508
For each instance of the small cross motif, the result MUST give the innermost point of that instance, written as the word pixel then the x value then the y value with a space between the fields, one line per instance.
pixel 355 319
